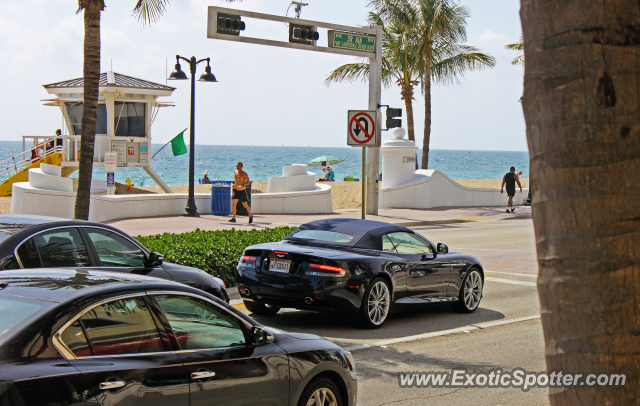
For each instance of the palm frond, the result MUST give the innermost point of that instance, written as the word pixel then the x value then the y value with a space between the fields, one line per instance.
pixel 518 60
pixel 518 47
pixel 149 11
pixel 349 73
pixel 449 70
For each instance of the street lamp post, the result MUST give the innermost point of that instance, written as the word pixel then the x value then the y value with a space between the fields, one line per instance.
pixel 207 76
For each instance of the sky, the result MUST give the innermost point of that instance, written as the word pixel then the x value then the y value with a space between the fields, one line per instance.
pixel 265 95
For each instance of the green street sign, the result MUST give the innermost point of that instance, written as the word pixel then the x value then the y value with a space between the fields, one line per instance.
pixel 349 40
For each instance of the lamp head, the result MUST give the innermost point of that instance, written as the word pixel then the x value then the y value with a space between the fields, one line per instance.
pixel 207 76
pixel 178 74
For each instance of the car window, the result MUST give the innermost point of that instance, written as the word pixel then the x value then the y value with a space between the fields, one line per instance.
pixel 75 339
pixel 16 311
pixel 59 248
pixel 387 245
pixel 29 255
pixel 321 235
pixel 407 243
pixel 119 327
pixel 199 325
pixel 115 250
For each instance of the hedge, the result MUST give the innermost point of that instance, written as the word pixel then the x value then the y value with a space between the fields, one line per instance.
pixel 216 252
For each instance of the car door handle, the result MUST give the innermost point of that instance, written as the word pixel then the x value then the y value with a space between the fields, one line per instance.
pixel 203 375
pixel 112 385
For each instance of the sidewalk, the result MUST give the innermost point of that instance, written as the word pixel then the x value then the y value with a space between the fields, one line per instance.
pixel 404 217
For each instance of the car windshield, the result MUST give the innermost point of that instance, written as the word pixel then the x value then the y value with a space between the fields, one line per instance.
pixel 321 235
pixel 5 234
pixel 16 311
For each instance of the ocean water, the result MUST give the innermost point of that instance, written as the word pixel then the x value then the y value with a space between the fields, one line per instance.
pixel 262 162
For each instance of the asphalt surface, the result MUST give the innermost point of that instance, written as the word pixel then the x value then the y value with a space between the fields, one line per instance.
pixel 504 332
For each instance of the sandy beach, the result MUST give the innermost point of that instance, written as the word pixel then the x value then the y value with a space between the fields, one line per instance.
pixel 346 195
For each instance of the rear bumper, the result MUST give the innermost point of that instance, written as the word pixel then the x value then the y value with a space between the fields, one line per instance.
pixel 317 293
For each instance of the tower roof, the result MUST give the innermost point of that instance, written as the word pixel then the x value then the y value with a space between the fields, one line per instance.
pixel 111 79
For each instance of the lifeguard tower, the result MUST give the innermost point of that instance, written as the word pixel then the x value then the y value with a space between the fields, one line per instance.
pixel 127 108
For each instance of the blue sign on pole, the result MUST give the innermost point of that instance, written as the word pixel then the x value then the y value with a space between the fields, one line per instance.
pixel 111 183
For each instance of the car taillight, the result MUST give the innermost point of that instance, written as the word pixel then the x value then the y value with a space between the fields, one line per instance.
pixel 248 261
pixel 326 270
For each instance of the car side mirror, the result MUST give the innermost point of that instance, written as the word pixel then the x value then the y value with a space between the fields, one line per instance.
pixel 442 248
pixel 154 260
pixel 261 337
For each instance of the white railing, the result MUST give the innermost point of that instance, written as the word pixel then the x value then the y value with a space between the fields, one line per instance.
pixel 16 163
pixel 70 147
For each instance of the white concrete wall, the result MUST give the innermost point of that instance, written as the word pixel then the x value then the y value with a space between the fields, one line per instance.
pixel 431 188
pixel 295 178
pixel 27 199
pixel 314 201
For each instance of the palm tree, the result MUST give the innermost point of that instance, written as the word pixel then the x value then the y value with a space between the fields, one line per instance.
pixel 519 48
pixel 400 64
pixel 440 27
pixel 581 110
pixel 147 12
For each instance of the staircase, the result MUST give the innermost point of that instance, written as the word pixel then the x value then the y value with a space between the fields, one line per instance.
pixel 16 168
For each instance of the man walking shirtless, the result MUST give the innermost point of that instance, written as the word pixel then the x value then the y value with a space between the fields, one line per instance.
pixel 240 192
pixel 511 178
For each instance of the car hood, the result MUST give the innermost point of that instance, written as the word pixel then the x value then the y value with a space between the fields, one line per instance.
pixel 297 336
pixel 182 273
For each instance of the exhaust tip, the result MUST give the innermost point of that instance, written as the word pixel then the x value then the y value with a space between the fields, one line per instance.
pixel 308 300
pixel 245 292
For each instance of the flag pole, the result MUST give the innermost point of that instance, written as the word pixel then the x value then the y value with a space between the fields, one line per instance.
pixel 154 155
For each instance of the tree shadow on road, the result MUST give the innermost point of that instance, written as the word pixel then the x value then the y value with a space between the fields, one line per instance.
pixel 345 331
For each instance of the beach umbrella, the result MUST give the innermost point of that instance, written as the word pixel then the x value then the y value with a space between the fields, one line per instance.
pixel 326 160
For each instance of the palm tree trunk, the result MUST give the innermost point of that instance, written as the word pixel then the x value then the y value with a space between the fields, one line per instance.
pixel 581 108
pixel 407 96
pixel 92 9
pixel 426 82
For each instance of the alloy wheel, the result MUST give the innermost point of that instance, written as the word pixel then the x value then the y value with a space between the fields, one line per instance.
pixel 472 290
pixel 322 397
pixel 378 303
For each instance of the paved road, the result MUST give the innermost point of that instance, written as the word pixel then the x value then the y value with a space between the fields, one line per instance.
pixel 503 332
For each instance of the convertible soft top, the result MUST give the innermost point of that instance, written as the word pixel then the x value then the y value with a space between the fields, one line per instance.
pixel 366 234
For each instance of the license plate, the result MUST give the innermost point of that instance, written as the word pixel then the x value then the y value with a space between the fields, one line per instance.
pixel 279 265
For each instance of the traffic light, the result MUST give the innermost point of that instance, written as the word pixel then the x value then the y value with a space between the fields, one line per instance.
pixel 230 24
pixel 303 34
pixel 392 121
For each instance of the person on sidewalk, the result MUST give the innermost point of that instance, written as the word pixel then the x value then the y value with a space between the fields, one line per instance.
pixel 240 192
pixel 510 179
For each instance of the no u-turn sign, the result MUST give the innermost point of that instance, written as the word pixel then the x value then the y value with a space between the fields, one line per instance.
pixel 364 128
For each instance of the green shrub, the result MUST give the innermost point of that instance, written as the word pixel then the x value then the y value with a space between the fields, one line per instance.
pixel 216 252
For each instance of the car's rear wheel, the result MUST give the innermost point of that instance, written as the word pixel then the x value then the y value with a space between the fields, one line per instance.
pixel 259 308
pixel 321 392
pixel 470 293
pixel 375 304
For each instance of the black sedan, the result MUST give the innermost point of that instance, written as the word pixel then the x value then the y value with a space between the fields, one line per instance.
pixel 105 338
pixel 356 267
pixel 48 242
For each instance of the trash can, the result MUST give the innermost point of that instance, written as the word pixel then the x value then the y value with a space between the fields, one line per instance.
pixel 240 210
pixel 221 198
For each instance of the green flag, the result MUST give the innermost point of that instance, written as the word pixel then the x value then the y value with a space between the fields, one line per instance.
pixel 177 145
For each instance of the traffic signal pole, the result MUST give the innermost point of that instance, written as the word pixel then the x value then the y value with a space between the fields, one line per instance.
pixel 226 24
pixel 373 153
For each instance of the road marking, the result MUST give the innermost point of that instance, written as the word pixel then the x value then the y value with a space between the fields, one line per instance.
pixel 240 306
pixel 514 274
pixel 475 218
pixel 471 327
pixel 510 281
